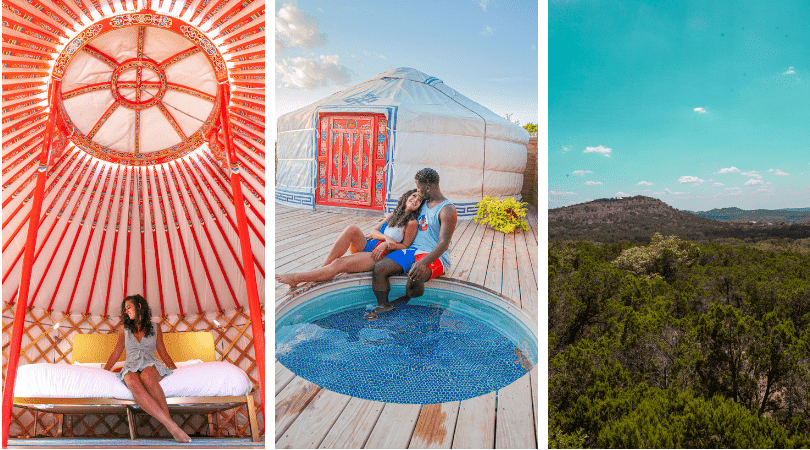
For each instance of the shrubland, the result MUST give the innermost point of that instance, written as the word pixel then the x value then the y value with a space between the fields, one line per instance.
pixel 679 344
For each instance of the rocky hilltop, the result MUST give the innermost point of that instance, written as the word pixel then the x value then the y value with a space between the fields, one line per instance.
pixel 639 218
pixel 784 216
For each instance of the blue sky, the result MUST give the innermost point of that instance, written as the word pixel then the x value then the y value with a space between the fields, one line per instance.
pixel 485 49
pixel 703 104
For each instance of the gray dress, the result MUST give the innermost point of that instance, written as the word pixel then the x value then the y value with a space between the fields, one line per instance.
pixel 141 355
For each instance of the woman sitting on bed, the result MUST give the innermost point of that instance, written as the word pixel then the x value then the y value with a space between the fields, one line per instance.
pixel 396 231
pixel 142 371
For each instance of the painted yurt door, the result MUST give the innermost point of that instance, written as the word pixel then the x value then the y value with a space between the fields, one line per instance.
pixel 351 160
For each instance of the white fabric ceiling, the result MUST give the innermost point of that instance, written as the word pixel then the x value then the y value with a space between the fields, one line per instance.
pixel 111 229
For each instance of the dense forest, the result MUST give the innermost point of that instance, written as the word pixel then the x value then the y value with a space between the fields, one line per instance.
pixel 672 343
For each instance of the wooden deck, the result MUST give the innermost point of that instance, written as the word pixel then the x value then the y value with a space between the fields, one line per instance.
pixel 308 416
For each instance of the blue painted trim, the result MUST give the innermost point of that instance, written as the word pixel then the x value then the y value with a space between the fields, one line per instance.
pixel 463 210
pixel 295 199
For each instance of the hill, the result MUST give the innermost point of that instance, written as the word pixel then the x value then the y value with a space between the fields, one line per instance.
pixel 787 216
pixel 639 218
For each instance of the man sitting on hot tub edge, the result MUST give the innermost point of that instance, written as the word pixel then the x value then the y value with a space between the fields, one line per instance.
pixel 428 257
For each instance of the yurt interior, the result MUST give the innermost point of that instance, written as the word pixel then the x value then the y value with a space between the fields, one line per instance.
pixel 133 163
pixel 360 148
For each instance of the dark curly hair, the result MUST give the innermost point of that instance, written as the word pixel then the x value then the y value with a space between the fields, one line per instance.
pixel 427 176
pixel 144 315
pixel 401 216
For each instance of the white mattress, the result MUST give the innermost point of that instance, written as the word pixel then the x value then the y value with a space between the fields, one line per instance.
pixel 211 379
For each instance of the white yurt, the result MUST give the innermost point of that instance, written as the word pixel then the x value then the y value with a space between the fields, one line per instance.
pixel 133 163
pixel 361 147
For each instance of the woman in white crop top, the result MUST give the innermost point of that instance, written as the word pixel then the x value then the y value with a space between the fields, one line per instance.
pixel 396 231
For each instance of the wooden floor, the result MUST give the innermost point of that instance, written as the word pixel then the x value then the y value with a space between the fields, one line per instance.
pixel 308 416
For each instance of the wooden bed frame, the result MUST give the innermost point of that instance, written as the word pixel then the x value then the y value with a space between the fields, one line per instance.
pixel 97 348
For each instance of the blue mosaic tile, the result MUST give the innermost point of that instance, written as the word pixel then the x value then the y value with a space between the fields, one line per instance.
pixel 414 354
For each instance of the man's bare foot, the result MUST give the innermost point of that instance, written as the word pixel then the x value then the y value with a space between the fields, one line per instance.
pixel 179 434
pixel 378 310
pixel 287 278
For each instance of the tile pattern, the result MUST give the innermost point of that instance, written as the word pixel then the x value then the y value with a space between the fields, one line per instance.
pixel 414 354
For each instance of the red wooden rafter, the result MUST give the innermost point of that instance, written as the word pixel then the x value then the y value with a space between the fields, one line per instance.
pixel 164 219
pixel 90 238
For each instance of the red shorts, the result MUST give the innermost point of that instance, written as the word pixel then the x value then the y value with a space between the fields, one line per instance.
pixel 436 267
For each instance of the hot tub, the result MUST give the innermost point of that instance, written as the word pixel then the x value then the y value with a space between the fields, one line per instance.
pixel 457 341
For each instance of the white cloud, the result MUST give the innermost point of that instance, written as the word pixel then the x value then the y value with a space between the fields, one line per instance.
pixel 487 31
pixel 781 174
pixel 581 172
pixel 561 193
pixel 790 71
pixel 603 150
pixel 690 179
pixel 731 169
pixel 621 194
pixel 700 110
pixel 309 74
pixel 718 184
pixel 735 188
pixel 752 174
pixel 383 57
pixel 593 183
pixel 752 182
pixel 642 190
pixel 644 183
pixel 565 149
pixel 483 4
pixel 673 193
pixel 295 28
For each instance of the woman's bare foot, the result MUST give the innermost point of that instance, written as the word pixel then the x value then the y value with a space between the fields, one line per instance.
pixel 179 434
pixel 287 278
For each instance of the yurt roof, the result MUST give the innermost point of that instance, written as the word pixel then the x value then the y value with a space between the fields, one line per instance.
pixel 138 195
pixel 423 103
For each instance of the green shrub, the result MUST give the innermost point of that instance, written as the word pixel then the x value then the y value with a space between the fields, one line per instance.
pixel 503 215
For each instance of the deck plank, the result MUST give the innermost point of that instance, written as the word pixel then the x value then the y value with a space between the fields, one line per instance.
pixel 535 389
pixel 494 277
pixel 526 280
pixel 314 250
pixel 394 427
pixel 461 270
pixel 461 245
pixel 531 249
pixel 435 426
pixel 510 283
pixel 475 427
pixel 291 401
pixel 478 272
pixel 314 423
pixel 353 427
pixel 283 377
pixel 515 424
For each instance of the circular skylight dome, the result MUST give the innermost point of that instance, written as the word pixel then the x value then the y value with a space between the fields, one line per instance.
pixel 140 89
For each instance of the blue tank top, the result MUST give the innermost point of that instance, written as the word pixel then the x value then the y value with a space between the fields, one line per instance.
pixel 427 234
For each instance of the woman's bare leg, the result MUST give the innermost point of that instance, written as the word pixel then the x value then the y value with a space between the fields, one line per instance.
pixel 358 262
pixel 150 378
pixel 352 239
pixel 151 406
